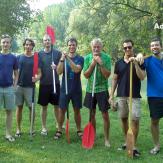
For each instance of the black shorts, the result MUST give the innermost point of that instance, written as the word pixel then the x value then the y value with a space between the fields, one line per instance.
pixel 155 107
pixel 100 98
pixel 46 95
pixel 76 99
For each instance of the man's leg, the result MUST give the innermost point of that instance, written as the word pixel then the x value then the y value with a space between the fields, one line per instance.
pixel 19 118
pixel 56 114
pixel 43 117
pixel 106 121
pixel 77 118
pixel 93 119
pixel 155 132
pixel 30 116
pixel 8 122
pixel 124 123
pixel 135 130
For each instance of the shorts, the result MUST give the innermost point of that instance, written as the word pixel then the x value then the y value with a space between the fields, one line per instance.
pixel 155 107
pixel 24 94
pixel 123 107
pixel 7 98
pixel 46 95
pixel 76 99
pixel 100 98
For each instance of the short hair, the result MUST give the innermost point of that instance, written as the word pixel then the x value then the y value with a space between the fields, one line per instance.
pixel 157 39
pixel 128 40
pixel 72 39
pixel 30 40
pixel 5 36
pixel 96 40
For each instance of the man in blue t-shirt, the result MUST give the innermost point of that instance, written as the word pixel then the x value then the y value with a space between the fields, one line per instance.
pixel 8 80
pixel 154 70
pixel 74 64
pixel 26 82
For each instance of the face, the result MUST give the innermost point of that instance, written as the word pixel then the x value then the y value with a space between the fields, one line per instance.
pixel 47 41
pixel 155 47
pixel 96 49
pixel 28 47
pixel 128 48
pixel 5 44
pixel 72 46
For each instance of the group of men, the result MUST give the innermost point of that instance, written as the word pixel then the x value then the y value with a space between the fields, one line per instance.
pixel 96 68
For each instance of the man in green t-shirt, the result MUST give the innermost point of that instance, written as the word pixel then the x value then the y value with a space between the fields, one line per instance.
pixel 102 63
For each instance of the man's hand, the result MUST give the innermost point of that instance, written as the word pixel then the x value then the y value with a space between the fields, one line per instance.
pixel 35 78
pixel 53 66
pixel 140 58
pixel 98 59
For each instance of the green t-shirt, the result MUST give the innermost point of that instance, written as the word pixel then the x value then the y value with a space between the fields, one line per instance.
pixel 101 83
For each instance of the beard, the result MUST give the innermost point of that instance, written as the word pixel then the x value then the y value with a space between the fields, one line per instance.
pixel 156 52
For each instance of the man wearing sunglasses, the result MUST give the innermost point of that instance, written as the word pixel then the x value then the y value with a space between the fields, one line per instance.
pixel 121 81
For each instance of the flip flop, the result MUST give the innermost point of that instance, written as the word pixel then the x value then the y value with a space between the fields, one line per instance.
pixel 10 138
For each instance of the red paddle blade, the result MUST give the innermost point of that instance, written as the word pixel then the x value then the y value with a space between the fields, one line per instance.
pixel 35 64
pixel 67 131
pixel 51 33
pixel 88 136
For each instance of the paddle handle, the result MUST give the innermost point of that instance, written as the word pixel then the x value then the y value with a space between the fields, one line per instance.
pixel 130 94
pixel 66 77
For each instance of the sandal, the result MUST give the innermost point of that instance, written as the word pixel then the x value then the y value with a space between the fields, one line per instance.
pixel 79 134
pixel 18 134
pixel 154 151
pixel 57 135
pixel 10 138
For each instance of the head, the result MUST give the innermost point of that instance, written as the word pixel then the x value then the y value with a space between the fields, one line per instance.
pixel 28 45
pixel 47 41
pixel 156 46
pixel 96 45
pixel 5 42
pixel 128 47
pixel 72 45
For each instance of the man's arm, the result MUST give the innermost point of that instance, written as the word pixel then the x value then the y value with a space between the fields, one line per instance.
pixel 106 73
pixel 15 79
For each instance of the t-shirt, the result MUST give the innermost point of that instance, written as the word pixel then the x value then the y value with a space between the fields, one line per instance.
pixel 25 64
pixel 46 69
pixel 122 69
pixel 154 69
pixel 101 83
pixel 8 63
pixel 73 79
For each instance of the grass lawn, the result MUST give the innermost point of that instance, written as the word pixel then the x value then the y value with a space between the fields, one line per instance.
pixel 26 150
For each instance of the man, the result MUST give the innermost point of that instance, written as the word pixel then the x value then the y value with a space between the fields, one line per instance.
pixel 154 70
pixel 8 81
pixel 74 65
pixel 46 89
pixel 103 63
pixel 121 81
pixel 26 82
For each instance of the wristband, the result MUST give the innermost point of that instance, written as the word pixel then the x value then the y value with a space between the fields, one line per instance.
pixel 61 60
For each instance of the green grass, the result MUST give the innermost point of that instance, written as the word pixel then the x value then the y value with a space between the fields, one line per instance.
pixel 26 150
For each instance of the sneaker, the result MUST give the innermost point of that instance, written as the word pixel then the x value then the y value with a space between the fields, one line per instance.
pixel 44 132
pixel 136 153
pixel 122 148
pixel 154 151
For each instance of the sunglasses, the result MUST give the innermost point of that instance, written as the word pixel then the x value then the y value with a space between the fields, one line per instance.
pixel 127 47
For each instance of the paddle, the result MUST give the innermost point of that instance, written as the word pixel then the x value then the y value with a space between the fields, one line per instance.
pixel 130 135
pixel 35 72
pixel 89 131
pixel 51 33
pixel 67 121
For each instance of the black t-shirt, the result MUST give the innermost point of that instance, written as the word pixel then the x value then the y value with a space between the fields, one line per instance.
pixel 46 69
pixel 122 69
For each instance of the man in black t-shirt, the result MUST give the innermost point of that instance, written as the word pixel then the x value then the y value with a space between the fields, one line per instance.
pixel 121 81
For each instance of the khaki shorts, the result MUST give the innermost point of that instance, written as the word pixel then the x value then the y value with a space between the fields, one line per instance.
pixel 7 98
pixel 23 95
pixel 123 107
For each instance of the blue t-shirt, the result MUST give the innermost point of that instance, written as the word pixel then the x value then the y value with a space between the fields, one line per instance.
pixel 8 63
pixel 154 69
pixel 46 69
pixel 73 79
pixel 25 65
